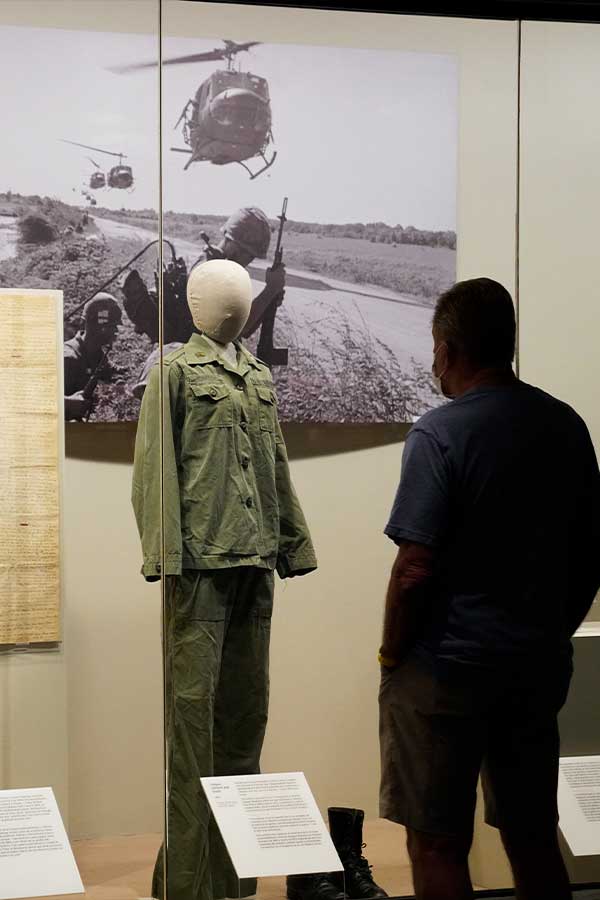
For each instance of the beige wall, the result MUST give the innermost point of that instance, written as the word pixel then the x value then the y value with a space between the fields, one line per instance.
pixel 112 638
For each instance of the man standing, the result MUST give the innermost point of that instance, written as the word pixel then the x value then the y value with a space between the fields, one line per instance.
pixel 496 522
pixel 85 354
pixel 246 235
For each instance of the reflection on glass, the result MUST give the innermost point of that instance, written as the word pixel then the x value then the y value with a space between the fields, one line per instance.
pixel 318 169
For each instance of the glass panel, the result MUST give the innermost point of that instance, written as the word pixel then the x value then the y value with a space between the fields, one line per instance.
pixel 342 130
pixel 79 204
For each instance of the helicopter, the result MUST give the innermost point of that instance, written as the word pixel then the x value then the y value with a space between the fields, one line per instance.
pixel 97 178
pixel 229 119
pixel 120 176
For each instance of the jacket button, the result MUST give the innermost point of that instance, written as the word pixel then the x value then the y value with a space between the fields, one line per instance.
pixel 244 426
pixel 249 502
pixel 245 462
pixel 213 392
pixel 158 568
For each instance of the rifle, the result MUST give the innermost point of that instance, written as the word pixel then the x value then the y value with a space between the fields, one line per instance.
pixel 274 356
pixel 92 383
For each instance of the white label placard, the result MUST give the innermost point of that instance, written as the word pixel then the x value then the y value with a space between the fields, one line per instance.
pixel 271 824
pixel 36 859
pixel 579 803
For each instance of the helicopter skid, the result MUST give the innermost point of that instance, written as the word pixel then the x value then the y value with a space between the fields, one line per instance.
pixel 194 157
pixel 267 165
pixel 183 150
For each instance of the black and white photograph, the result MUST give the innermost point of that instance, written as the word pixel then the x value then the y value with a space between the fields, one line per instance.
pixel 329 172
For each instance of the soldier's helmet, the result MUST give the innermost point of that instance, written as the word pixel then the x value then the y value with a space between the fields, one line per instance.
pixel 102 310
pixel 250 228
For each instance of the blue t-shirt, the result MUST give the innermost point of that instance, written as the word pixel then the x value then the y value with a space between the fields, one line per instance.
pixel 503 483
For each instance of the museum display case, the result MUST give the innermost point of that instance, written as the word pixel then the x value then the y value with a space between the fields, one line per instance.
pixel 362 162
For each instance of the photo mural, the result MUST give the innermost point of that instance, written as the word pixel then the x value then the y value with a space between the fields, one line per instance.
pixel 329 172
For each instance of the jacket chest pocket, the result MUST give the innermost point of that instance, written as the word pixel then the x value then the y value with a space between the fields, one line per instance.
pixel 267 407
pixel 210 405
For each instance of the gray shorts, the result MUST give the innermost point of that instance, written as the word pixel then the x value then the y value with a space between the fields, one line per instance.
pixel 442 724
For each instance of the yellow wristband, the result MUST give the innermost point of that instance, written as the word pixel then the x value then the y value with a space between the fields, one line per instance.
pixel 386 661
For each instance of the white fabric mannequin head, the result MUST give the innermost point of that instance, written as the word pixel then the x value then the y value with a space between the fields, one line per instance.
pixel 219 295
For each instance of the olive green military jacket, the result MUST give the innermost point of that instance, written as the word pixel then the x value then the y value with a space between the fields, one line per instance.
pixel 228 494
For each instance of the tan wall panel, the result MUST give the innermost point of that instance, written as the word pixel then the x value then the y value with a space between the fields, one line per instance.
pixel 114 670
pixel 33 723
pixel 560 198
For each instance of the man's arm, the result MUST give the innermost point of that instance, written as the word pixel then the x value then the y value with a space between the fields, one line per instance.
pixel 407 600
pixel 418 524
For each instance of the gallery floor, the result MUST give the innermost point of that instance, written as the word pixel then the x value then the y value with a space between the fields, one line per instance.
pixel 120 868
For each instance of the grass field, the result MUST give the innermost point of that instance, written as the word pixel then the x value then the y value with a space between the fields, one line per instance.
pixel 420 271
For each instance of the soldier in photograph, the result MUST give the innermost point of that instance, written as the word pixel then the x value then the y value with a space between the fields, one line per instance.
pixel 85 355
pixel 246 236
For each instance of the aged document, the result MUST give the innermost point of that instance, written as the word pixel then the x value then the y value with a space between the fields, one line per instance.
pixel 29 467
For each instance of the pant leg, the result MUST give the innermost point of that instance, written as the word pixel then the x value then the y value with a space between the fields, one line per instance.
pixel 432 726
pixel 242 701
pixel 196 617
pixel 520 769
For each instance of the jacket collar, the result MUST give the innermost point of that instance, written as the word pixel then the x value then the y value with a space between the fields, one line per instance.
pixel 200 352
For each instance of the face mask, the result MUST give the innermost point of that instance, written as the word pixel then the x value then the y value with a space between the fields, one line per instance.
pixel 437 379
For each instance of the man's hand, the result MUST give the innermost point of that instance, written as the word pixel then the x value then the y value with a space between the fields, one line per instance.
pixel 275 280
pixel 77 406
pixel 386 661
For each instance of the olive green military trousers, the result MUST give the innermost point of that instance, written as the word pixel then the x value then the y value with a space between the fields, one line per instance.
pixel 217 632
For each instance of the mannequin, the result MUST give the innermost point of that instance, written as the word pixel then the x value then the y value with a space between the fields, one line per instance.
pixel 220 298
pixel 231 518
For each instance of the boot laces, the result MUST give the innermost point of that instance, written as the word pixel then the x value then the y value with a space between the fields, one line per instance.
pixel 357 859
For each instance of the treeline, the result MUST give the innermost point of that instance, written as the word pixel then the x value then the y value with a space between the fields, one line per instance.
pixel 376 232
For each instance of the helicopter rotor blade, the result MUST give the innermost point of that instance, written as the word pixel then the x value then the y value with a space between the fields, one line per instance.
pixel 93 161
pixel 96 149
pixel 230 49
pixel 233 47
pixel 194 57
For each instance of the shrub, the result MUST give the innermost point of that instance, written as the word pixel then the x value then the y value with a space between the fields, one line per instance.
pixel 36 229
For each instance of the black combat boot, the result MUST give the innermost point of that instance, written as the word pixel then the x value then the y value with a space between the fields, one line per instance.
pixel 345 826
pixel 313 887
